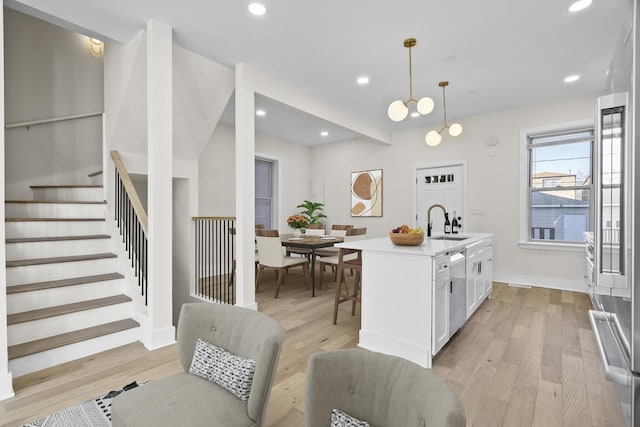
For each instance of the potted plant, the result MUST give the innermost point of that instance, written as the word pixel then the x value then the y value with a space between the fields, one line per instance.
pixel 309 211
pixel 298 223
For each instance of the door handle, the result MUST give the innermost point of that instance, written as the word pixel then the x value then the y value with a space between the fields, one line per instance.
pixel 450 286
pixel 614 374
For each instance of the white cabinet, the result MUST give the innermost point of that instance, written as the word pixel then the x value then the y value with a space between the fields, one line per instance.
pixel 441 285
pixel 472 277
pixel 487 263
pixel 479 274
pixel 411 302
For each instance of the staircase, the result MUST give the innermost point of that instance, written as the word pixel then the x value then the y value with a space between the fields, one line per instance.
pixel 65 296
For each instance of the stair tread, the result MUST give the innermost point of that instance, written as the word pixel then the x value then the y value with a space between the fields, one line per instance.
pixel 56 238
pixel 62 202
pixel 38 286
pixel 58 310
pixel 55 260
pixel 65 186
pixel 44 344
pixel 27 219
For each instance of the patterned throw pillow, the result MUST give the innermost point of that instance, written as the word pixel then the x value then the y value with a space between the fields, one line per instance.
pixel 341 419
pixel 231 372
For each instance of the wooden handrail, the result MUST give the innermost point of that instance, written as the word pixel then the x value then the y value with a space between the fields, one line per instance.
pixel 52 120
pixel 215 218
pixel 131 190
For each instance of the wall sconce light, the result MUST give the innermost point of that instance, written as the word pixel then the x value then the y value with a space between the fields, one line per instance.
pixel 398 110
pixel 434 137
pixel 96 46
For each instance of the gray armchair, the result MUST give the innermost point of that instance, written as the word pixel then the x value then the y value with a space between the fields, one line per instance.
pixel 189 400
pixel 377 388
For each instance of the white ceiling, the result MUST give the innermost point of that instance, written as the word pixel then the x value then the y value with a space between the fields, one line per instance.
pixel 496 54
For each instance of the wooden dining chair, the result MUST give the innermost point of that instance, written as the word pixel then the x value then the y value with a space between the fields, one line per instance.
pixel 349 259
pixel 312 230
pixel 232 234
pixel 338 230
pixel 333 259
pixel 271 256
pixel 316 229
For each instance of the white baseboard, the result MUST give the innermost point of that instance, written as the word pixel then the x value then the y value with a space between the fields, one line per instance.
pixel 6 386
pixel 252 306
pixel 541 282
pixel 156 339
pixel 389 345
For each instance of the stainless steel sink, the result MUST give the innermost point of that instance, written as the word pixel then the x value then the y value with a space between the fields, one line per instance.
pixel 449 238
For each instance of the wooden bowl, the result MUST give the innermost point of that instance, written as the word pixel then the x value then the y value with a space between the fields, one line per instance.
pixel 404 239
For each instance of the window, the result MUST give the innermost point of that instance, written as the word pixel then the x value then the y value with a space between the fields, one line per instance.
pixel 559 191
pixel 265 195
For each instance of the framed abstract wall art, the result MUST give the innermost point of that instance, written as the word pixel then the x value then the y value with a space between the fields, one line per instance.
pixel 366 193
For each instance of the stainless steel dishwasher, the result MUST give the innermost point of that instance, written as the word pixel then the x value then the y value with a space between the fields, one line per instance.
pixel 457 291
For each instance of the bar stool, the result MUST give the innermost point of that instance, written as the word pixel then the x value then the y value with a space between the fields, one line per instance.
pixel 353 264
pixel 332 258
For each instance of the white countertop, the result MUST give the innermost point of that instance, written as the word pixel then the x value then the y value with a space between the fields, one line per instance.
pixel 430 246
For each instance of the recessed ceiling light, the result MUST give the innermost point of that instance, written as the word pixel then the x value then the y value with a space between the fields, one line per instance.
pixel 257 9
pixel 363 80
pixel 261 113
pixel 324 133
pixel 415 114
pixel 572 78
pixel 579 5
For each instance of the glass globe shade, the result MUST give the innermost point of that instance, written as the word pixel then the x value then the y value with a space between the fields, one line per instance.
pixel 397 111
pixel 425 105
pixel 455 129
pixel 433 138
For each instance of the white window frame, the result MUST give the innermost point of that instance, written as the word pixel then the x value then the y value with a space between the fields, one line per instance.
pixel 524 241
pixel 275 197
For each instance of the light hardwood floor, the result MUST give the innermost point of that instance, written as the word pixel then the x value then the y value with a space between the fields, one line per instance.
pixel 526 357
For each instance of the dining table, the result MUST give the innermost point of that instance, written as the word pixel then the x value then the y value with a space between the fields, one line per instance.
pixel 311 242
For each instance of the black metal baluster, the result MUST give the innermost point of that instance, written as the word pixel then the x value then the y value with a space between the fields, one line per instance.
pixel 195 251
pixel 115 198
pixel 218 264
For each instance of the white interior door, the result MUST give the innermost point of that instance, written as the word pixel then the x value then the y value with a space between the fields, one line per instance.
pixel 442 185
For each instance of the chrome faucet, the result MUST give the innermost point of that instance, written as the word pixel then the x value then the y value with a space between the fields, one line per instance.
pixel 429 222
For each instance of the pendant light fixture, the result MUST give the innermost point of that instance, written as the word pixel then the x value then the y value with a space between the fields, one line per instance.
pixel 398 110
pixel 434 137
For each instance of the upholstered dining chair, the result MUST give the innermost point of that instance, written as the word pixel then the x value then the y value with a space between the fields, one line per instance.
pixel 312 230
pixel 333 258
pixel 383 390
pixel 338 230
pixel 232 235
pixel 248 346
pixel 271 256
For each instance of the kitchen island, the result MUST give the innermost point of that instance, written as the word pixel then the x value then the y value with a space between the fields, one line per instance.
pixel 409 293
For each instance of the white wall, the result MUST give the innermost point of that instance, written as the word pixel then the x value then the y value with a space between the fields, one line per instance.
pixel 50 73
pixel 216 190
pixel 216 174
pixel 493 184
pixel 6 386
pixel 183 261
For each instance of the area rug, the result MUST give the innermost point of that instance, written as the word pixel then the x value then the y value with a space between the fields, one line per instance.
pixel 94 412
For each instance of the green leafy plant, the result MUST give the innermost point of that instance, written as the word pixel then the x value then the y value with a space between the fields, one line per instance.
pixel 310 209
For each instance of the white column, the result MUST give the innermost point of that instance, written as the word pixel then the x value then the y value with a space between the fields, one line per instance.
pixel 245 189
pixel 159 330
pixel 6 386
